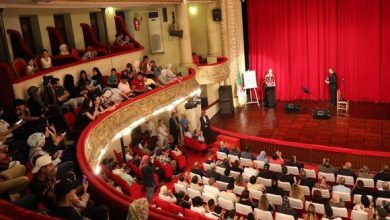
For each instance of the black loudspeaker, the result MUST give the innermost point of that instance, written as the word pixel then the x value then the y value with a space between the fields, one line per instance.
pixel 225 93
pixel 226 99
pixel 217 14
pixel 292 108
pixel 226 107
pixel 164 14
pixel 321 114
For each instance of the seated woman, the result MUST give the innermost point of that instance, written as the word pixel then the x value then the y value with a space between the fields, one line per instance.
pixel 277 158
pixel 286 209
pixel 46 60
pixel 297 193
pixel 86 115
pixel 97 79
pixel 124 87
pixel 166 195
pixel 119 40
pixel 167 76
pixel 89 54
pixel 264 204
pixel 263 157
pixel 63 49
pixel 321 184
pixel 124 174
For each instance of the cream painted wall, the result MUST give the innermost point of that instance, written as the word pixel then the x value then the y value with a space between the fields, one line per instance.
pixel 45 18
pixel 198 28
pixel 171 44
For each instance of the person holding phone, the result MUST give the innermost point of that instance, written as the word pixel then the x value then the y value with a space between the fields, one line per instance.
pixel 5 128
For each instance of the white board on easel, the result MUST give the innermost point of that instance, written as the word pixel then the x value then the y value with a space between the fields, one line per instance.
pixel 250 81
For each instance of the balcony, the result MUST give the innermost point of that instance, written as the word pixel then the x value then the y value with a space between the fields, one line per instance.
pixel 213 73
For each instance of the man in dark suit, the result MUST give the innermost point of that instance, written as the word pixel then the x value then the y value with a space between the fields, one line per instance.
pixel 385 192
pixel 212 172
pixel 226 178
pixel 174 127
pixel 205 127
pixel 331 80
pixel 347 170
pixel 196 169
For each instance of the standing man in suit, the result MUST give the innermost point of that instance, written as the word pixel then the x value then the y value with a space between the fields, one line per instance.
pixel 205 127
pixel 331 80
pixel 174 127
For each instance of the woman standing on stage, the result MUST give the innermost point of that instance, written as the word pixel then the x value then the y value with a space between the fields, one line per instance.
pixel 269 80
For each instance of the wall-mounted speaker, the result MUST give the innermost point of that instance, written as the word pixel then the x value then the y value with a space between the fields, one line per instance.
pixel 217 14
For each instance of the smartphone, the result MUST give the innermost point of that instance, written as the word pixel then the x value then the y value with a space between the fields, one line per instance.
pixel 61 151
pixel 19 122
pixel 63 133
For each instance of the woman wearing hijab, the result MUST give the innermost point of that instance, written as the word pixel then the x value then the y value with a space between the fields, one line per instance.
pixel 286 209
pixel 147 171
pixel 166 195
pixel 263 157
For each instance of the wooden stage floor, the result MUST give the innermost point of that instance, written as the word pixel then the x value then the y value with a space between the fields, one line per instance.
pixel 367 127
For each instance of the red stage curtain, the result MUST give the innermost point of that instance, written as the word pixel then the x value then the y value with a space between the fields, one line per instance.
pixel 301 39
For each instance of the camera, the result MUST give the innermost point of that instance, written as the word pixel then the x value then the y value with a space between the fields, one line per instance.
pixel 47 80
pixel 192 103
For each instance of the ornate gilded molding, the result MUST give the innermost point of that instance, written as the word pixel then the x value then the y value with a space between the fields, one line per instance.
pixel 209 74
pixel 102 135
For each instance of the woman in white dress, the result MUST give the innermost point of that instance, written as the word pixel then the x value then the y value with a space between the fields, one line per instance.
pixel 46 60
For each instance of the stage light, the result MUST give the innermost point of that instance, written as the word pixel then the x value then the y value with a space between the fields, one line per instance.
pixel 193 10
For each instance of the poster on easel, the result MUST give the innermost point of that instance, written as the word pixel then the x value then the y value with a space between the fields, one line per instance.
pixel 250 81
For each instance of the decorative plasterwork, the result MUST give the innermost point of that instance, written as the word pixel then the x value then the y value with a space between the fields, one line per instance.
pixel 212 74
pixel 105 131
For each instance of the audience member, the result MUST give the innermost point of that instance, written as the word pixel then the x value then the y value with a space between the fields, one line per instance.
pixel 185 125
pixel 195 184
pixel 147 171
pixel 336 201
pixel 274 189
pixel 212 188
pixel 239 181
pixel 97 79
pixel 262 157
pixel 286 209
pixel 317 197
pixel 341 186
pixel 12 178
pixel 250 170
pixel 124 87
pixel 286 177
pixel 112 80
pixel 364 172
pixel 119 39
pixel 167 76
pixel 212 173
pixel 265 173
pixel 166 195
pixel 63 49
pixel 385 192
pixel 246 154
pixel 84 82
pixel 236 167
pixel 329 212
pixel 234 151
pixel 74 92
pixel 229 194
pixel 197 205
pixel 245 200
pixel 383 174
pixel 360 190
pixel 196 169
pixel 347 170
pixel 292 162
pixel 304 181
pixel 212 210
pixel 182 180
pixel 321 184
pixel 264 204
pixel 226 177
pixel 326 167
pixel 174 127
pixel 252 185
pixel 144 65
pixel 365 206
pixel 162 133
pixel 31 68
pixel 222 148
pixel 90 53
pixel 150 83
pixel 138 84
pixel 297 193
pixel 276 158
pixel 310 213
pixel 128 73
pixel 63 96
pixel 45 60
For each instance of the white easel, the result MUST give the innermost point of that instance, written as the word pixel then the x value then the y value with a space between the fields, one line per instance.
pixel 250 84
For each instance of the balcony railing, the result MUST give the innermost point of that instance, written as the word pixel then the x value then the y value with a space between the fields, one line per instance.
pixel 213 73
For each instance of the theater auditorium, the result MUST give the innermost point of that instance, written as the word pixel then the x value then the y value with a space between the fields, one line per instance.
pixel 195 109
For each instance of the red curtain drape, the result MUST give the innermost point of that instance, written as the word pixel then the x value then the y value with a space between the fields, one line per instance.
pixel 301 39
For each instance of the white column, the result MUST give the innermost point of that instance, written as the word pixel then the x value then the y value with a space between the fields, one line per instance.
pixel 213 31
pixel 185 42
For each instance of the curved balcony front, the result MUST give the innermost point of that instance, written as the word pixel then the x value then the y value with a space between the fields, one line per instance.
pixel 213 73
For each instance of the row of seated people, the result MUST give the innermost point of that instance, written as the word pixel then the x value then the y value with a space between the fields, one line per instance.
pixel 256 188
pixel 38 169
pixel 325 168
pixel 34 130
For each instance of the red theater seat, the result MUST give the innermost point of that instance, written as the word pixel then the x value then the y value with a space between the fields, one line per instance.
pixel 175 209
pixel 230 141
pixel 192 214
pixel 70 120
pixel 118 156
pixel 164 205
pixel 194 144
pixel 181 160
pixel 19 65
pixel 167 168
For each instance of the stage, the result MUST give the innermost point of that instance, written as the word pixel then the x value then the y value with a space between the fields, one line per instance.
pixel 367 126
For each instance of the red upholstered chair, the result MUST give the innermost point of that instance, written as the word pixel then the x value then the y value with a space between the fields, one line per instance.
pixel 19 66
pixel 11 211
pixel 134 168
pixel 122 183
pixel 136 191
pixel 118 156
pixel 175 209
pixel 181 160
pixel 192 214
pixel 164 205
pixel 167 168
pixel 37 61
pixel 19 47
pixel 121 28
pixel 90 38
pixel 55 39
pixel 107 171
pixel 194 144
pixel 70 120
